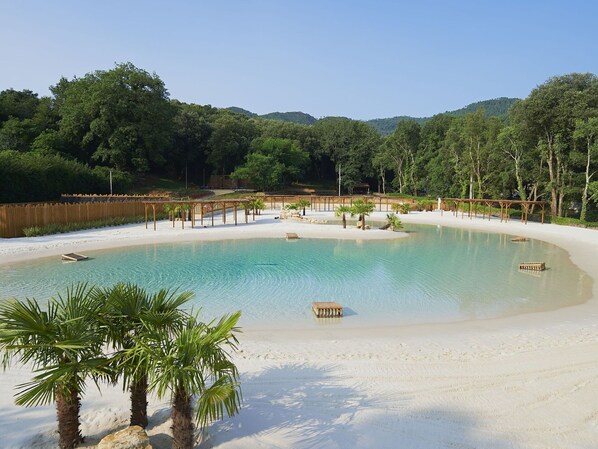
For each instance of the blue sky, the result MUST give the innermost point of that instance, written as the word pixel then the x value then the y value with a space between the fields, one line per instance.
pixel 360 59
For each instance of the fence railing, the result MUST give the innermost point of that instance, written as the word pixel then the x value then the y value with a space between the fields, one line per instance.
pixel 15 217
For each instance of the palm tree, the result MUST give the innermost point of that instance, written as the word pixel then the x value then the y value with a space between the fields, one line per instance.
pixel 343 211
pixel 193 362
pixel 362 208
pixel 302 204
pixel 63 344
pixel 129 311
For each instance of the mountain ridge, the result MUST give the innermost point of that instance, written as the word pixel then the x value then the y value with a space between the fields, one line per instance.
pixel 496 107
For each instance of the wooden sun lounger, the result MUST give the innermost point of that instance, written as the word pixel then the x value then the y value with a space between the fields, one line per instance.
pixel 292 236
pixel 74 257
pixel 327 309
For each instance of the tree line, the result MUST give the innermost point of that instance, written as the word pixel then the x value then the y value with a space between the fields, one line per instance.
pixel 123 120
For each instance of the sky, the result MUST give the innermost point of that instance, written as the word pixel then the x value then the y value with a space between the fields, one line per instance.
pixel 358 59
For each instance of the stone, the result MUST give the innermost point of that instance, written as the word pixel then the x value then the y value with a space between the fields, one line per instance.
pixel 133 437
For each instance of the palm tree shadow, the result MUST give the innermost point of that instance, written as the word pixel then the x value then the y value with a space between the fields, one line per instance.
pixel 305 404
pixel 299 406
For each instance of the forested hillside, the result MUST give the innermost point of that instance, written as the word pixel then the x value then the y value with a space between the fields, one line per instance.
pixel 499 107
pixel 294 117
pixel 123 120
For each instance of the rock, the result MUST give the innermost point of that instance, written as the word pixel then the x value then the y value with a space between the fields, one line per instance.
pixel 133 437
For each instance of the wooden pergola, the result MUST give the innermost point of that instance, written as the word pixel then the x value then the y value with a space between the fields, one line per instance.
pixel 205 207
pixel 488 204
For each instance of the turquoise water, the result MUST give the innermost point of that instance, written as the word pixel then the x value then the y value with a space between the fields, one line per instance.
pixel 436 274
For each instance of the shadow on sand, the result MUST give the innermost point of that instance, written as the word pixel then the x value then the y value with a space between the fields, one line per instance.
pixel 298 406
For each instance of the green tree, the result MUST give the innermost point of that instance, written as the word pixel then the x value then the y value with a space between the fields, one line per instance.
pixel 121 117
pixel 128 312
pixel 273 162
pixel 18 104
pixel 192 131
pixel 342 211
pixel 63 344
pixel 230 141
pixel 303 203
pixel 193 362
pixel 401 149
pixel 586 131
pixel 350 144
pixel 362 208
pixel 550 113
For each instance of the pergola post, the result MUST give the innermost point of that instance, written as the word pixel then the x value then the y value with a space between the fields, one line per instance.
pixel 154 208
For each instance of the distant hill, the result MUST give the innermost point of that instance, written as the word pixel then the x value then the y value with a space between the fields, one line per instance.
pixel 242 111
pixel 295 117
pixel 497 107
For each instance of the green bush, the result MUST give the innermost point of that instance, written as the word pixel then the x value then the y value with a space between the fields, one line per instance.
pixel 403 208
pixel 568 221
pixel 27 177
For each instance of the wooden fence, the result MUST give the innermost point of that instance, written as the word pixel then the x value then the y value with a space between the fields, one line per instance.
pixel 15 217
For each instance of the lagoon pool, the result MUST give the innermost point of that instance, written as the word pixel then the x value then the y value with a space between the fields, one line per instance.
pixel 436 274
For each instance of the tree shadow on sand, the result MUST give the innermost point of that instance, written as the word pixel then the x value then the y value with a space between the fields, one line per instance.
pixel 299 406
pixel 305 405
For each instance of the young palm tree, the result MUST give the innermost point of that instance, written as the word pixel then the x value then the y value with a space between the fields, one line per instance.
pixel 63 344
pixel 362 209
pixel 129 311
pixel 343 211
pixel 303 203
pixel 193 362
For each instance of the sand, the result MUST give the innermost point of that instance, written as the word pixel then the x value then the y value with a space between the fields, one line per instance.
pixel 528 381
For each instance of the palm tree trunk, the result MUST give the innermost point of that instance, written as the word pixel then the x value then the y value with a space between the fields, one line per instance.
pixel 182 422
pixel 363 222
pixel 344 221
pixel 68 405
pixel 138 391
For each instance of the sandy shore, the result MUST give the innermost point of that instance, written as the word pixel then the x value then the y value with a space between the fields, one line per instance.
pixel 529 381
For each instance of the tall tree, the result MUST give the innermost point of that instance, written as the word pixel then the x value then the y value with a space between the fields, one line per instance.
pixel 550 113
pixel 401 150
pixel 350 144
pixel 120 117
pixel 230 141
pixel 586 132
pixel 272 163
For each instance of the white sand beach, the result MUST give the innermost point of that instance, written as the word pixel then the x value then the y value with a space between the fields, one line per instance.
pixel 528 381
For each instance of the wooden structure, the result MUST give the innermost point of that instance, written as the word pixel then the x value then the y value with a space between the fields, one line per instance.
pixel 74 257
pixel 327 309
pixel 485 206
pixel 532 266
pixel 292 236
pixel 186 208
pixel 329 203
pixel 18 216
